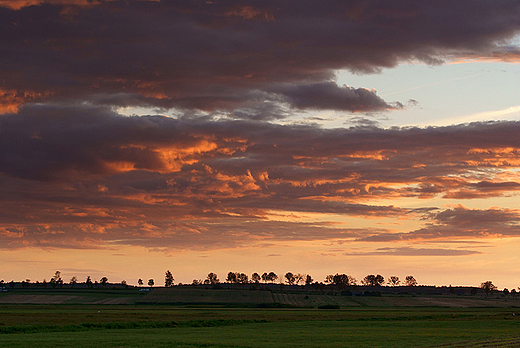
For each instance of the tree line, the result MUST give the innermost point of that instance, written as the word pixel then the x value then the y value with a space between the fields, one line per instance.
pixel 341 281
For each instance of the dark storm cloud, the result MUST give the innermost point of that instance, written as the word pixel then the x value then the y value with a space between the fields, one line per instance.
pixel 214 55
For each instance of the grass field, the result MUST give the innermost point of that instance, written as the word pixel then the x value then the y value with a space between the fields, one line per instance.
pixel 167 326
pixel 191 317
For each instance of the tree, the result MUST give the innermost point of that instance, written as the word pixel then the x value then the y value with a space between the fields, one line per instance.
pixel 505 292
pixel 242 278
pixel 104 281
pixel 393 281
pixel 272 277
pixel 410 281
pixel 488 287
pixel 340 280
pixel 88 282
pixel 290 278
pixel 212 278
pixel 168 279
pixel 308 280
pixel 231 277
pixel 151 282
pixel 265 277
pixel 123 283
pixel 255 277
pixel 513 292
pixel 57 279
pixel 373 280
pixel 140 282
pixel 329 279
pixel 73 281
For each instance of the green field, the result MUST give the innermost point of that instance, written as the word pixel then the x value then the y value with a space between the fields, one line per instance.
pixel 184 317
pixel 167 326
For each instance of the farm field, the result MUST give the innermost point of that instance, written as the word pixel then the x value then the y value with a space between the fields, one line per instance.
pixel 170 326
pixel 243 298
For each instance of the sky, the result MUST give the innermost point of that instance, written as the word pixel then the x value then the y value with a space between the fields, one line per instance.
pixel 358 137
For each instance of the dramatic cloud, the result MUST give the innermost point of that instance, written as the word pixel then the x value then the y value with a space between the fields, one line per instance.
pixel 84 176
pixel 223 55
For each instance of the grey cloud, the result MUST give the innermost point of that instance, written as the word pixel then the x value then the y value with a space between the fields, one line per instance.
pixel 210 56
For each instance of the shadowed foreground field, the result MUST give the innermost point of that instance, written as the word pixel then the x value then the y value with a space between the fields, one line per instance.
pixel 166 326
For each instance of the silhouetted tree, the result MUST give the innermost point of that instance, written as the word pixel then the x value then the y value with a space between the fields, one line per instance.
pixel 488 287
pixel 290 278
pixel 88 282
pixel 299 278
pixel 231 277
pixel 329 279
pixel 410 281
pixel 168 279
pixel 505 292
pixel 265 277
pixel 393 281
pixel 123 283
pixel 255 277
pixel 308 280
pixel 151 282
pixel 57 279
pixel 104 281
pixel 73 281
pixel 140 282
pixel 196 282
pixel 513 292
pixel 373 280
pixel 340 280
pixel 212 278
pixel 52 282
pixel 272 277
pixel 242 278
